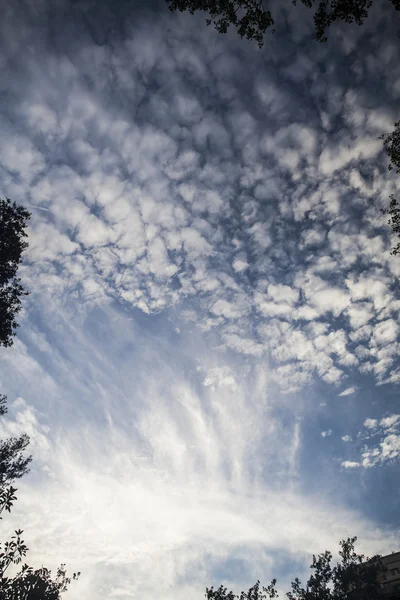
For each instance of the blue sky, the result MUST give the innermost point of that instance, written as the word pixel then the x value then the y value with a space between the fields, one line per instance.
pixel 207 364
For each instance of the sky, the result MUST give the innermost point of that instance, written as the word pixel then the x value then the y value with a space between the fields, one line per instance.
pixel 207 363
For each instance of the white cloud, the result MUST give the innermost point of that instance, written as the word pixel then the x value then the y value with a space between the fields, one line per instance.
pixel 327 433
pixel 370 423
pixel 389 422
pixel 348 391
pixel 159 262
pixel 220 376
pixel 271 309
pixel 332 300
pixel 349 464
pixel 338 157
pixel 194 243
pixel 172 471
pixel 333 375
pixel 313 237
pixel 359 315
pixel 162 210
pixel 21 157
pixel 283 293
pixel 226 309
pixel 240 262
pixel 382 441
pixel 369 287
pixel 388 449
pixel 385 332
pixel 243 345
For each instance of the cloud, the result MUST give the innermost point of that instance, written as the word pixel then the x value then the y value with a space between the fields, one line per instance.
pixel 385 332
pixel 162 209
pixel 348 464
pixel 381 439
pixel 387 450
pixel 370 423
pixel 240 262
pixel 327 433
pixel 348 391
pixel 170 455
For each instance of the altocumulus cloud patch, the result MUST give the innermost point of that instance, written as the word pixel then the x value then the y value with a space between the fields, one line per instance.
pixel 151 187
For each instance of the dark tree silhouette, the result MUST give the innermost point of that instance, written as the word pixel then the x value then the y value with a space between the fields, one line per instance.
pixel 13 222
pixel 13 218
pixel 349 11
pixel 257 592
pixel 27 583
pixel 252 18
pixel 38 584
pixel 249 16
pixel 13 462
pixel 394 220
pixel 354 577
pixel 391 144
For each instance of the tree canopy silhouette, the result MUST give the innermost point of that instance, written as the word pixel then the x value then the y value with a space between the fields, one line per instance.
pixel 27 583
pixel 13 222
pixel 391 144
pixel 13 462
pixel 354 577
pixel 252 18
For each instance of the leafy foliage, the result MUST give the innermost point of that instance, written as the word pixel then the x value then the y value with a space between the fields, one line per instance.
pixel 348 11
pixel 29 584
pixel 13 222
pixel 255 593
pixel 7 497
pixel 252 18
pixel 394 220
pixel 13 462
pixel 249 16
pixel 355 577
pixel 391 145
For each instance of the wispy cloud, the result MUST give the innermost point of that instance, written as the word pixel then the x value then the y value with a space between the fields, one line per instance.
pixel 147 474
